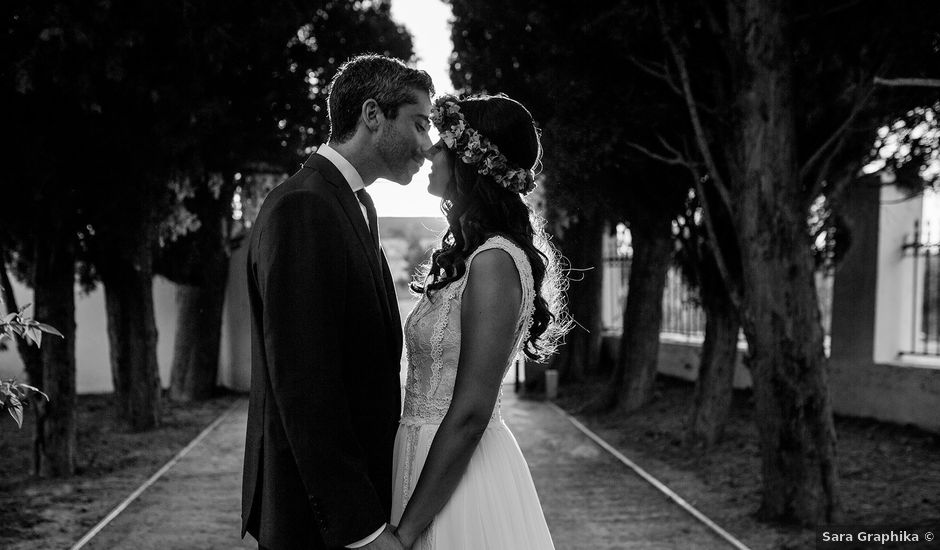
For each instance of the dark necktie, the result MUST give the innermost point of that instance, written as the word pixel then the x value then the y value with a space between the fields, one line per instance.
pixel 366 201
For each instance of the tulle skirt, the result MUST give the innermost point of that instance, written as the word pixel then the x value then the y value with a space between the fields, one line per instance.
pixel 495 506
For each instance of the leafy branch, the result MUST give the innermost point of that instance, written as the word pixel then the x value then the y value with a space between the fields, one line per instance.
pixel 14 395
pixel 17 324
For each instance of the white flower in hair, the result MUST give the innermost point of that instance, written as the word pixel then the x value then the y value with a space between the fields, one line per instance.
pixel 474 141
pixel 473 148
pixel 449 139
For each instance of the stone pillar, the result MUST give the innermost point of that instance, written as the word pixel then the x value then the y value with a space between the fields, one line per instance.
pixel 871 315
pixel 895 307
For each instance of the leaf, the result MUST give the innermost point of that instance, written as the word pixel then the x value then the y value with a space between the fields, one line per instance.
pixel 50 330
pixel 33 389
pixel 8 318
pixel 35 335
pixel 16 411
pixel 17 414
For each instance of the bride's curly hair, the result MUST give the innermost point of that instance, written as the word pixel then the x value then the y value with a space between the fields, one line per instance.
pixel 476 208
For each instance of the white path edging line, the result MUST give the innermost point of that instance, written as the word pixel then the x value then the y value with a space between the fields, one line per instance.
pixel 153 479
pixel 652 480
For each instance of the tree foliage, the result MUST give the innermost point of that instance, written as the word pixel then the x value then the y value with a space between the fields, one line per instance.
pixel 122 108
pixel 762 109
pixel 264 110
pixel 570 67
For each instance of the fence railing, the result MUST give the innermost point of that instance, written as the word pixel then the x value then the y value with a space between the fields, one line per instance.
pixel 923 249
pixel 683 316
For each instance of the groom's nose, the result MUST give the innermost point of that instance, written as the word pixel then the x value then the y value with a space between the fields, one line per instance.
pixel 426 142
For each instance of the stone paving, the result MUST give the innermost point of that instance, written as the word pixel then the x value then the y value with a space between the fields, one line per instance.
pixel 591 501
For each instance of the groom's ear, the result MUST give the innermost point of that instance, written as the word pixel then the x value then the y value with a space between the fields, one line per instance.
pixel 372 114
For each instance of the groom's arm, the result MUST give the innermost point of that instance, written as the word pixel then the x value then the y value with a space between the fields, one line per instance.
pixel 302 267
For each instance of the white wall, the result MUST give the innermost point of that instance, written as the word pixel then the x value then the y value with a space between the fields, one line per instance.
pixel 93 370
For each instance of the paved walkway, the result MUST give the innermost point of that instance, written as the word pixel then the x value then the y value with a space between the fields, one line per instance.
pixel 591 501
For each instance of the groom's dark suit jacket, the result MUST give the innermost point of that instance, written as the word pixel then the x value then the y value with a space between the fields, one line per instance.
pixel 325 349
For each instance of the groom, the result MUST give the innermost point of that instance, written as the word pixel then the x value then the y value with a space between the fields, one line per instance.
pixel 325 329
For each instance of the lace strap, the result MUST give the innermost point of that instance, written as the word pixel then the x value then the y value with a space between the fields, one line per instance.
pixel 526 279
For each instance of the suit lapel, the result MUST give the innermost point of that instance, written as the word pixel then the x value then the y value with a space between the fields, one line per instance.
pixel 350 204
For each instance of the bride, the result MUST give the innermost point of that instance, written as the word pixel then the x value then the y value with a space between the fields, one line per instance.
pixel 491 291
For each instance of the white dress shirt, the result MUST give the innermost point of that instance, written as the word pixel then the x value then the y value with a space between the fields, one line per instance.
pixel 355 183
pixel 348 171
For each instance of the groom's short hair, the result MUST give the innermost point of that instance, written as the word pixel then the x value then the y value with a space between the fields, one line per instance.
pixel 388 81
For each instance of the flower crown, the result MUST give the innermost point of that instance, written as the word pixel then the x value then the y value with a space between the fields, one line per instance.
pixel 473 148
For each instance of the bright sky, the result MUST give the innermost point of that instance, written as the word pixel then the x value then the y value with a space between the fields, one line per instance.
pixel 429 24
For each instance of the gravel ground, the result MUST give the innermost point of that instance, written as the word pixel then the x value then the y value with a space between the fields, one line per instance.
pixel 49 513
pixel 591 501
pixel 889 475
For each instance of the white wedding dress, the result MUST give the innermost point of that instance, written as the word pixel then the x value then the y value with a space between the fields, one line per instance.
pixel 495 506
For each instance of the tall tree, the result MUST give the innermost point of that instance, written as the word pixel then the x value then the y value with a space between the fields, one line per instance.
pixel 768 152
pixel 261 104
pixel 695 259
pixel 41 93
pixel 507 54
pixel 579 235
pixel 558 62
pixel 767 108
pixel 29 354
pixel 219 88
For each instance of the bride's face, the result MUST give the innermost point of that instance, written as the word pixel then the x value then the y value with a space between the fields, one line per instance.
pixel 442 170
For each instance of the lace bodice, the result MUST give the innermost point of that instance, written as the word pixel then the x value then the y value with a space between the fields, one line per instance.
pixel 432 340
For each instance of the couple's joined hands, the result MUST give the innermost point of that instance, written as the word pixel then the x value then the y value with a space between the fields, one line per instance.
pixel 388 540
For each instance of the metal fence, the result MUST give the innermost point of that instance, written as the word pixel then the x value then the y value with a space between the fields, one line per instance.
pixel 922 248
pixel 683 317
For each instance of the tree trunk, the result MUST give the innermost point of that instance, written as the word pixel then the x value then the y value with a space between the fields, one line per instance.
pixel 54 284
pixel 794 414
pixel 32 364
pixel 714 387
pixel 635 371
pixel 132 333
pixel 199 264
pixel 198 337
pixel 582 245
pixel 780 312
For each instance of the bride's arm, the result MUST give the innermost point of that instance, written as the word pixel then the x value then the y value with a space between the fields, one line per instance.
pixel 488 318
